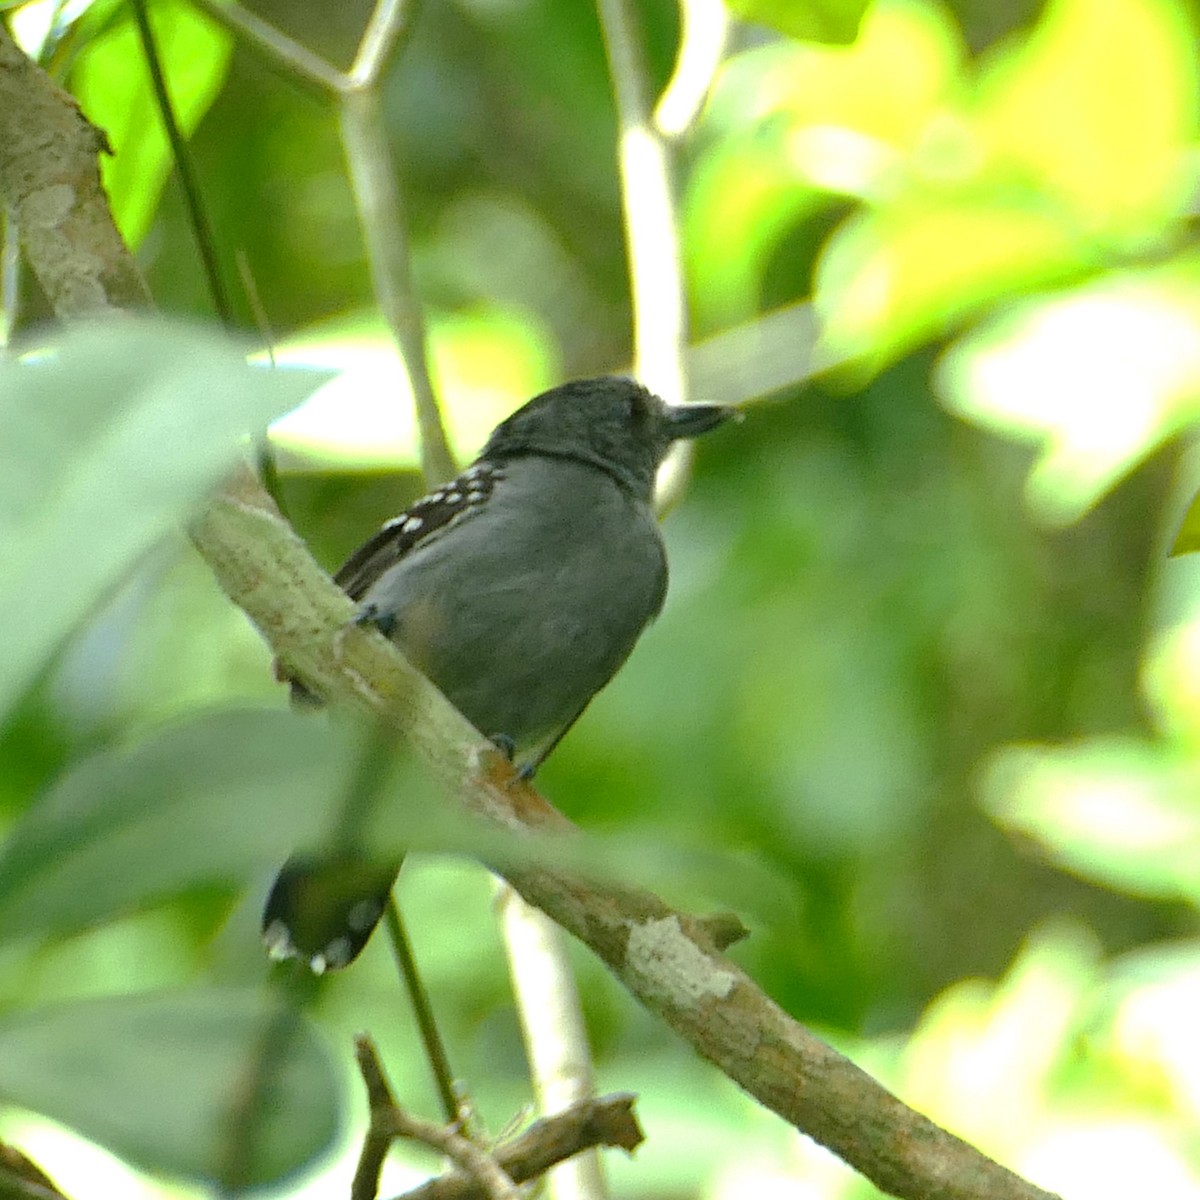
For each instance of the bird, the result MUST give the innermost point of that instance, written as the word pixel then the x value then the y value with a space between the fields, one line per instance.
pixel 519 589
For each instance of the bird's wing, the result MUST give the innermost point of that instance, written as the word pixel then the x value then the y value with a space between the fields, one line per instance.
pixel 427 518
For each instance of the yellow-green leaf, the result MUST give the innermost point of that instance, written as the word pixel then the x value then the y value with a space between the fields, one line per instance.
pixel 815 20
pixel 1117 811
pixel 112 83
pixel 1097 109
pixel 892 277
pixel 1097 379
pixel 1187 540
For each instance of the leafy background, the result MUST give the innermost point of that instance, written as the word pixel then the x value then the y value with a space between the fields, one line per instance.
pixel 922 705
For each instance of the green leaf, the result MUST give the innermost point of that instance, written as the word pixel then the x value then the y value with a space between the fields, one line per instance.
pixel 1097 378
pixel 1097 109
pixel 982 1058
pixel 107 442
pixel 1075 140
pixel 809 20
pixel 1120 812
pixel 219 800
pixel 1187 540
pixel 112 84
pixel 742 200
pixel 211 801
pixel 226 797
pixel 830 112
pixel 895 276
pixel 161 1079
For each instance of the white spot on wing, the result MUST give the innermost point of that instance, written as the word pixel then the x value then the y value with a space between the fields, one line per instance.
pixel 337 953
pixel 278 941
pixel 363 915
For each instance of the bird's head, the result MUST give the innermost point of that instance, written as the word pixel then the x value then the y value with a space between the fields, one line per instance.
pixel 611 422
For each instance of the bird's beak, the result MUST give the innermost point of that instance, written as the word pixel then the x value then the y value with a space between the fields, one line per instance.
pixel 691 420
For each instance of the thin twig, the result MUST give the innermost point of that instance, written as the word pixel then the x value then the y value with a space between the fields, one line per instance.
pixel 387 1118
pixel 201 226
pixel 378 1140
pixel 297 61
pixel 493 1179
pixel 389 22
pixel 374 181
pixel 264 452
pixel 431 1039
pixel 704 27
pixel 197 214
pixel 258 310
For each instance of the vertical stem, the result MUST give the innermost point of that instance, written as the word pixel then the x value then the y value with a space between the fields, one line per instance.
pixel 552 1024
pixel 705 26
pixel 10 279
pixel 197 215
pixel 435 1050
pixel 390 21
pixel 373 177
pixel 651 235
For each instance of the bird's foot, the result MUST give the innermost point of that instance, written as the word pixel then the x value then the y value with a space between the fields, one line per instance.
pixel 508 747
pixel 505 744
pixel 369 614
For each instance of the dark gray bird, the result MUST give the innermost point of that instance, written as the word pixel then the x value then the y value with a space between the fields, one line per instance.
pixel 519 589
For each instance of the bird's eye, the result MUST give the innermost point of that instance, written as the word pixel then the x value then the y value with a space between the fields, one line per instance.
pixel 638 409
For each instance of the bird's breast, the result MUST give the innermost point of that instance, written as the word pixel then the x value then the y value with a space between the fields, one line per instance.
pixel 522 613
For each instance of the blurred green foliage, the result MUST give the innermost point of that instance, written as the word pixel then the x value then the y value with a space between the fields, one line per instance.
pixel 923 704
pixel 111 81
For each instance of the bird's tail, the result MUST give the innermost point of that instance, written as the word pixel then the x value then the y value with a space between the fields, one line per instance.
pixel 323 908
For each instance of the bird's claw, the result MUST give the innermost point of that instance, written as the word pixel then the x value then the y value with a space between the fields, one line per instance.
pixel 505 744
pixel 523 772
pixel 369 614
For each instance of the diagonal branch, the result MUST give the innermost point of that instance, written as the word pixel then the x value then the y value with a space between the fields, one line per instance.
pixel 50 181
pixel 665 958
pixel 374 181
pixel 288 56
